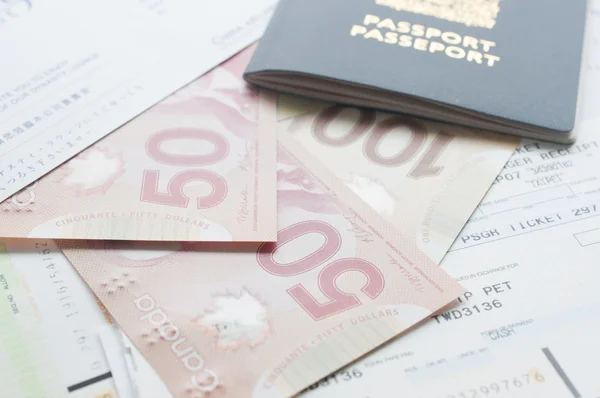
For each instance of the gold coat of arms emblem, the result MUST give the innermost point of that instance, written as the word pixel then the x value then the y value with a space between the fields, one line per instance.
pixel 478 13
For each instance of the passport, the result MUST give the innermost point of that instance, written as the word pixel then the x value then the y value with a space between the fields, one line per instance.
pixel 498 65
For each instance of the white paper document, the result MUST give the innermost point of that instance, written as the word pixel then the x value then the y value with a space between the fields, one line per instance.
pixel 529 325
pixel 49 324
pixel 75 70
pixel 133 375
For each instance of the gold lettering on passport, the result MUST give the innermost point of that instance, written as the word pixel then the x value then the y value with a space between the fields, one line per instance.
pixel 426 39
pixel 477 13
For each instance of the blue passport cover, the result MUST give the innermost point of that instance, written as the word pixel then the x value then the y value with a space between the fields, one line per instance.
pixel 514 60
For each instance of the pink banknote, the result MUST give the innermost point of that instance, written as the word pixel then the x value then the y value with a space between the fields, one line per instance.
pixel 199 166
pixel 267 320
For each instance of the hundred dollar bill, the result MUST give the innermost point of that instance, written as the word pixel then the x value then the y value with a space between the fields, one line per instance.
pixel 269 319
pixel 196 167
pixel 425 177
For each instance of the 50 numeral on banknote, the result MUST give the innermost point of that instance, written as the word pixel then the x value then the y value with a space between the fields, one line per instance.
pixel 339 301
pixel 174 195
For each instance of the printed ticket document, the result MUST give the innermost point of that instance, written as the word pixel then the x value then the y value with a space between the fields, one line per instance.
pixel 49 324
pixel 198 166
pixel 339 282
pixel 73 71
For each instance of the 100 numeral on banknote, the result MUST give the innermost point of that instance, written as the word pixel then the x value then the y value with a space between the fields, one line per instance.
pixel 424 177
pixel 338 282
pixel 375 133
